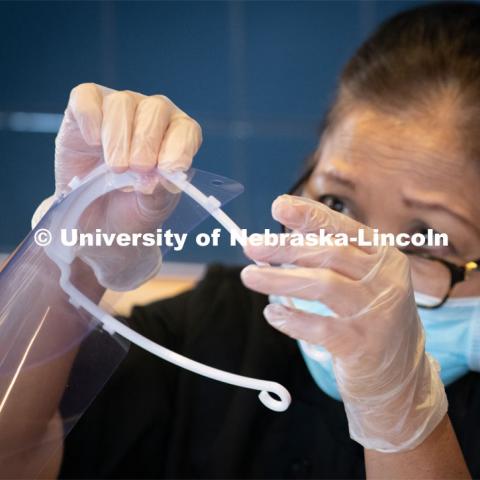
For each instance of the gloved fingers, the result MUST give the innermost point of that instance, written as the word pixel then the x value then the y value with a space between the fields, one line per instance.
pixel 119 110
pixel 181 142
pixel 85 105
pixel 133 130
pixel 346 260
pixel 152 118
pixel 310 327
pixel 324 285
pixel 78 145
pixel 129 211
pixel 306 215
pixel 155 207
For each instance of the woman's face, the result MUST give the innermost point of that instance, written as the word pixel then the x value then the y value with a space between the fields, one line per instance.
pixel 402 174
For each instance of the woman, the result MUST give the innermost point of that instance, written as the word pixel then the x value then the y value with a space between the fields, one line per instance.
pixel 398 153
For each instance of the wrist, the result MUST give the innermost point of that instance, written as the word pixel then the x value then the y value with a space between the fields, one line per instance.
pixel 396 417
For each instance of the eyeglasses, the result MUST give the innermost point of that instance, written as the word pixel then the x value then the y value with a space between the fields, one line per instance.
pixel 432 277
pixel 435 277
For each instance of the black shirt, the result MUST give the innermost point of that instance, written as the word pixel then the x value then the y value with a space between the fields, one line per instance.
pixel 155 420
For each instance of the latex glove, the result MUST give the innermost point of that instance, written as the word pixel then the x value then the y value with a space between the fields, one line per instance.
pixel 126 130
pixel 392 393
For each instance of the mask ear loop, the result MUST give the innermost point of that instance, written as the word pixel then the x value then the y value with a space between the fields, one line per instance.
pixel 94 186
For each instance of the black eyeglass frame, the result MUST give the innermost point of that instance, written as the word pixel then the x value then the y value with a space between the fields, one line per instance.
pixel 458 273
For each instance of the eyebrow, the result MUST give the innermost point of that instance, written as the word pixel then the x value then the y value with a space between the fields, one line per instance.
pixel 418 203
pixel 338 177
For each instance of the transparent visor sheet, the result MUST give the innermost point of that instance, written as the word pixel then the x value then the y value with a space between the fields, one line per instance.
pixel 188 213
pixel 55 357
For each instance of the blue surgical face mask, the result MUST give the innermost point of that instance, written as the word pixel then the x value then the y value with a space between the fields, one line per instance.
pixel 452 338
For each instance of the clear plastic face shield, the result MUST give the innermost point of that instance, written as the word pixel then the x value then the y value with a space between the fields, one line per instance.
pixel 51 324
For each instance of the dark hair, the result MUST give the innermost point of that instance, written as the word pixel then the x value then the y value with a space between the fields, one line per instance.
pixel 414 59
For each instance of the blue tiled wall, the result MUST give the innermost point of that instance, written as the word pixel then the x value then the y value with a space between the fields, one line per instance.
pixel 257 76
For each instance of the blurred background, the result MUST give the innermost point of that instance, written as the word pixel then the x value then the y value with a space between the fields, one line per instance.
pixel 257 76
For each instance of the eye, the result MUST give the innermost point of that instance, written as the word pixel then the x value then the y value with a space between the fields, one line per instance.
pixel 335 203
pixel 438 251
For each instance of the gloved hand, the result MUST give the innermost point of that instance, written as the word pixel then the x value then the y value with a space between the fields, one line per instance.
pixel 127 130
pixel 392 393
